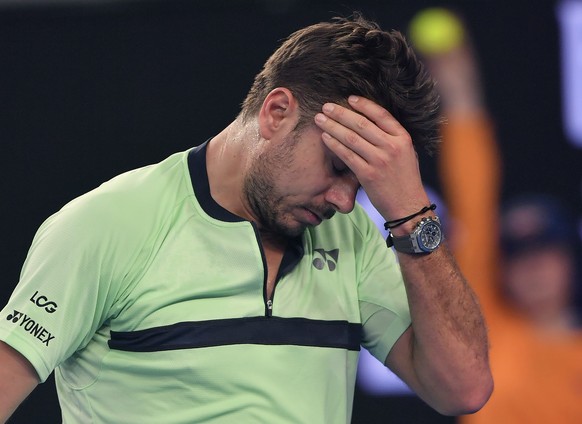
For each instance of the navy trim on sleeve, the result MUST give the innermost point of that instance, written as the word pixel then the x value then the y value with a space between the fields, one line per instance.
pixel 252 330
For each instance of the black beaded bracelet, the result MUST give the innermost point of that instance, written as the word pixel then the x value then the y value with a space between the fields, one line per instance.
pixel 396 222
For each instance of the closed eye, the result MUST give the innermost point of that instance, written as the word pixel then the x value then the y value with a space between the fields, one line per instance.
pixel 339 168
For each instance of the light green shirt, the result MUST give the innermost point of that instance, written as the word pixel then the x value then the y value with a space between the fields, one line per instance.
pixel 148 300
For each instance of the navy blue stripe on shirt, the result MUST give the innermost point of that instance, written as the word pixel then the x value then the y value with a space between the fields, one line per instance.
pixel 253 330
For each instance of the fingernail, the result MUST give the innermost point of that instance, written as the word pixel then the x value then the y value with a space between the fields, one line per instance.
pixel 321 118
pixel 353 99
pixel 328 107
pixel 325 136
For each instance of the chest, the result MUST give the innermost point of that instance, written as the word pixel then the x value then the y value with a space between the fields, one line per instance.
pixel 273 257
pixel 195 276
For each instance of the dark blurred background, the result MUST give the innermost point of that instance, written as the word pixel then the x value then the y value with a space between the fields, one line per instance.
pixel 89 89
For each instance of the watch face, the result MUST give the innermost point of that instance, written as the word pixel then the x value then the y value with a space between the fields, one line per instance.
pixel 430 236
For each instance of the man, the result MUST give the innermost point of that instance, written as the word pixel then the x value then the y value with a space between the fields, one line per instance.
pixel 220 285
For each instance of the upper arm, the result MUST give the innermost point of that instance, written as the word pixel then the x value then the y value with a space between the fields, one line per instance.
pixel 464 393
pixel 399 360
pixel 17 379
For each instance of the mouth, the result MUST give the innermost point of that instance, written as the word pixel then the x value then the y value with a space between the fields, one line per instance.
pixel 312 217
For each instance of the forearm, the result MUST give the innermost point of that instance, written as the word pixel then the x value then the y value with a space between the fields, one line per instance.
pixel 449 348
pixel 444 355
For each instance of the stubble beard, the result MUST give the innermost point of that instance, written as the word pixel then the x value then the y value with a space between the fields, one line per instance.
pixel 264 199
pixel 268 204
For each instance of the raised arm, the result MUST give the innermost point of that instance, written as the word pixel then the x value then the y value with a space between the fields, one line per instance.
pixel 17 379
pixel 469 168
pixel 443 357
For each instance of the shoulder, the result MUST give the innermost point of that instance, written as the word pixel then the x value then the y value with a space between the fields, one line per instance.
pixel 128 200
pixel 119 217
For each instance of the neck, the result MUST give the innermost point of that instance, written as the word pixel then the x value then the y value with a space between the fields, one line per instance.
pixel 227 160
pixel 274 240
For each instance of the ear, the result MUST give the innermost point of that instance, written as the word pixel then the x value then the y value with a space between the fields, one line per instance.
pixel 279 113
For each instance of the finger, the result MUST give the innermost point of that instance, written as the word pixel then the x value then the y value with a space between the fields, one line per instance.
pixel 346 136
pixel 350 127
pixel 353 160
pixel 377 114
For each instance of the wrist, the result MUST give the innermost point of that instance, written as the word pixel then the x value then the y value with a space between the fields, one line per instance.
pixel 410 226
pixel 406 224
pixel 426 237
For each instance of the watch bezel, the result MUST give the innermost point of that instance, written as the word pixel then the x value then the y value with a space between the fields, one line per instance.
pixel 412 243
pixel 423 226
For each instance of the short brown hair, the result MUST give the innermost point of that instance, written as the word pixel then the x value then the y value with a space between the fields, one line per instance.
pixel 329 61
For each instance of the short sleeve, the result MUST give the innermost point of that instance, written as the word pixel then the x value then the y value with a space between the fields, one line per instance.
pixel 68 284
pixel 384 309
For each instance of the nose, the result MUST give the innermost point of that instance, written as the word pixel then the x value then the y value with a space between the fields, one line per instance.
pixel 342 194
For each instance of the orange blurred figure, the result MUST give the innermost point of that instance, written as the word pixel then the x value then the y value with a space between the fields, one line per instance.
pixel 525 278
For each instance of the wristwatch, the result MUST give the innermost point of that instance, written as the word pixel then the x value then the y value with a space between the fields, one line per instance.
pixel 425 238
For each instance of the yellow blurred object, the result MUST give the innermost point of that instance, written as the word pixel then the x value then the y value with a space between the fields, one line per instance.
pixel 436 30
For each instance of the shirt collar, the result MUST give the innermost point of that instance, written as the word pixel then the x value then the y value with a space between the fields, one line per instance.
pixel 199 178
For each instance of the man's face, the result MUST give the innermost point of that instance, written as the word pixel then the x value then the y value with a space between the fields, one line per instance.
pixel 297 182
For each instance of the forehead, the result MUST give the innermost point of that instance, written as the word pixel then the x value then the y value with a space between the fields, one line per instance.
pixel 311 141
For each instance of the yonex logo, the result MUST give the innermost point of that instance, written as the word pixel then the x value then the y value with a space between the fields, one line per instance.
pixel 325 257
pixel 14 316
pixel 31 326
